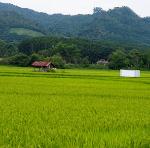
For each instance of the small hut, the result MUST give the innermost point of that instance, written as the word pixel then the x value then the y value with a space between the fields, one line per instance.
pixel 43 65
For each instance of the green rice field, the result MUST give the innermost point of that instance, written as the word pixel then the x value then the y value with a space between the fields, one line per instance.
pixel 73 109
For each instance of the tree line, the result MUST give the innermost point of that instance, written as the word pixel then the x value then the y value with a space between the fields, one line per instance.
pixel 75 52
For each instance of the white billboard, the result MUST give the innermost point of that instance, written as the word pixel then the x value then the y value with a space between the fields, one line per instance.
pixel 130 73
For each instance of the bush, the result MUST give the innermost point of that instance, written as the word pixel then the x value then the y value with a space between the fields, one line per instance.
pixel 19 60
pixel 85 62
pixel 4 61
pixel 51 70
pixel 58 61
pixel 98 66
pixel 72 66
pixel 35 57
pixel 90 66
pixel 118 60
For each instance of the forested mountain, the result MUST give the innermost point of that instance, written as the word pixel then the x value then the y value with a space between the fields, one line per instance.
pixel 119 24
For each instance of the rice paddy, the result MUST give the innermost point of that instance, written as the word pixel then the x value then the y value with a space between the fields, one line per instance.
pixel 73 109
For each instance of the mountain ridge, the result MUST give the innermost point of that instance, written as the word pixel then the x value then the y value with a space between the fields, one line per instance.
pixel 118 24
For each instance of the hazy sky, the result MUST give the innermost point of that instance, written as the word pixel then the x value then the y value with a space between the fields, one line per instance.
pixel 141 7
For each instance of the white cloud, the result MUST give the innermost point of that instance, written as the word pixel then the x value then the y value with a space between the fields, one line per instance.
pixel 141 7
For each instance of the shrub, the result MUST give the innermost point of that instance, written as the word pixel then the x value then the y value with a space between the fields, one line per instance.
pixel 35 57
pixel 98 66
pixel 58 61
pixel 51 70
pixel 118 60
pixel 19 60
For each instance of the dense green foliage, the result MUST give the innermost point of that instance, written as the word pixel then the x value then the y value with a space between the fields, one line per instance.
pixel 118 60
pixel 75 52
pixel 118 24
pixel 71 50
pixel 20 60
pixel 58 61
pixel 7 49
pixel 73 108
pixel 131 59
pixel 85 52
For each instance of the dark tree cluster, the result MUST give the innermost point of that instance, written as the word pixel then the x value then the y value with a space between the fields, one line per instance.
pixel 7 49
pixel 75 52
pixel 133 59
pixel 72 50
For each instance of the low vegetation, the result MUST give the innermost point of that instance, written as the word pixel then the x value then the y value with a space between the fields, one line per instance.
pixel 25 32
pixel 73 108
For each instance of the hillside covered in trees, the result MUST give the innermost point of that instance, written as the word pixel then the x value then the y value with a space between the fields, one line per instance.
pixel 75 53
pixel 119 24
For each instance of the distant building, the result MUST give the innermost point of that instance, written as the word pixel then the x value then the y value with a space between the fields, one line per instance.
pixel 103 62
pixel 43 65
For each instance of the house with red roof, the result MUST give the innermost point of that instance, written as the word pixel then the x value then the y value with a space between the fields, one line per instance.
pixel 43 65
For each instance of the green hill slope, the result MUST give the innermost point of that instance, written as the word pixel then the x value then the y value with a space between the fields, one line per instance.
pixel 26 32
pixel 11 19
pixel 118 24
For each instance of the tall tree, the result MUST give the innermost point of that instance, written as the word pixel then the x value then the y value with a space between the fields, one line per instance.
pixel 118 60
pixel 136 58
pixel 69 52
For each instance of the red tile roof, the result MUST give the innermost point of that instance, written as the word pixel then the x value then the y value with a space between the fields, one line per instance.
pixel 40 64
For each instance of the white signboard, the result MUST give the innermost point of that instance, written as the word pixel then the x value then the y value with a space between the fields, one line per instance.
pixel 130 73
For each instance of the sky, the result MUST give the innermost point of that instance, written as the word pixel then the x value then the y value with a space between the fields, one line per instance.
pixel 141 7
